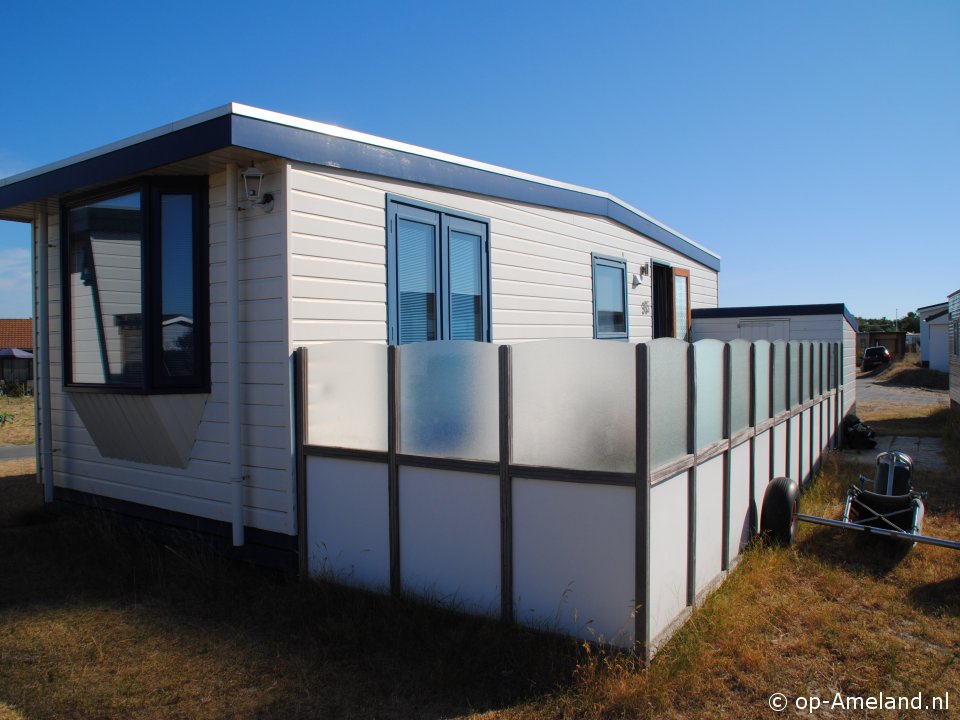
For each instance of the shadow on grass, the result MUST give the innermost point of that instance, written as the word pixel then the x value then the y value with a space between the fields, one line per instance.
pixel 938 598
pixel 855 551
pixel 919 378
pixel 320 649
pixel 931 425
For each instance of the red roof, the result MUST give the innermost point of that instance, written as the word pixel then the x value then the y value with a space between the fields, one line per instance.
pixel 16 334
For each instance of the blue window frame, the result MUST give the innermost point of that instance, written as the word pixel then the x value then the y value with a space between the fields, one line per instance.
pixel 610 298
pixel 438 273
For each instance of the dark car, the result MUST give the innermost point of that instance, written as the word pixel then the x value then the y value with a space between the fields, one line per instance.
pixel 874 357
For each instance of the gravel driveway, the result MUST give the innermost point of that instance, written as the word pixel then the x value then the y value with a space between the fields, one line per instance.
pixel 873 394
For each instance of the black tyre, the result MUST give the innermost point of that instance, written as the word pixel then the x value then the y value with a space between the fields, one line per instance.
pixel 778 518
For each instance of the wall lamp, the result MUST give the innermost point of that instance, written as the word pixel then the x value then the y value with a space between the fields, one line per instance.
pixel 644 270
pixel 252 181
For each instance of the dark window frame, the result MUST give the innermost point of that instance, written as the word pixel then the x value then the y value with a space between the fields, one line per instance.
pixel 620 264
pixel 150 190
pixel 447 220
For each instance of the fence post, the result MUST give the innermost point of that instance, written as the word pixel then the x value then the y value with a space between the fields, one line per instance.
pixel 393 472
pixel 752 419
pixel 727 402
pixel 641 631
pixel 691 477
pixel 506 485
pixel 301 418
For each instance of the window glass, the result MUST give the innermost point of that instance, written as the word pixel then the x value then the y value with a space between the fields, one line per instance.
pixel 610 281
pixel 106 304
pixel 134 288
pixel 177 298
pixel 680 299
pixel 466 274
pixel 416 262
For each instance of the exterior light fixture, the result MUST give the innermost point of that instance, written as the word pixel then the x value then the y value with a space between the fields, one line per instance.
pixel 638 277
pixel 252 181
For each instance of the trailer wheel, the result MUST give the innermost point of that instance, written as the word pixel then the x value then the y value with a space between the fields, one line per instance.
pixel 778 518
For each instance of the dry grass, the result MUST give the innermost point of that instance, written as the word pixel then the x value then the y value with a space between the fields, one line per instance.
pixel 906 372
pixel 101 622
pixel 21 429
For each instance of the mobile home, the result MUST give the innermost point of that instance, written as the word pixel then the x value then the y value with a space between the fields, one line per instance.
pixel 177 271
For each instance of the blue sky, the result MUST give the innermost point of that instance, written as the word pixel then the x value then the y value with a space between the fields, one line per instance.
pixel 814 145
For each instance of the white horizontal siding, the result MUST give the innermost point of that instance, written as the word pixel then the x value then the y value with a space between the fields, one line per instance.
pixel 541 270
pixel 821 328
pixel 202 488
pixel 849 367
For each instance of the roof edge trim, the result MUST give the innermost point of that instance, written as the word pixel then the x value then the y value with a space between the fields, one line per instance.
pixel 777 310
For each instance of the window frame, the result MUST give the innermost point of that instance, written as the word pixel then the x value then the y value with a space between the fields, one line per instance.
pixel 596 259
pixel 447 220
pixel 150 190
pixel 681 272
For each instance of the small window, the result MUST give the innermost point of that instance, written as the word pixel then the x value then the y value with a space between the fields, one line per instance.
pixel 609 298
pixel 438 274
pixel 135 288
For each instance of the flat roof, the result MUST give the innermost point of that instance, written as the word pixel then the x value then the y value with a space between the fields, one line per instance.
pixel 932 307
pixel 241 126
pixel 751 311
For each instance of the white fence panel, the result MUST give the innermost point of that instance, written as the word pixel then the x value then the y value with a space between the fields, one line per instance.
pixel 709 522
pixel 347 522
pixel 450 538
pixel 668 552
pixel 573 558
pixel 739 499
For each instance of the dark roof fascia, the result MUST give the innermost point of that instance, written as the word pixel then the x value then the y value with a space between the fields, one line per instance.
pixel 172 147
pixel 777 311
pixel 317 149
pixel 937 315
pixel 931 307
pixel 298 144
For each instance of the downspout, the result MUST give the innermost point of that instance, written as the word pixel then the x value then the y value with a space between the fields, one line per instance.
pixel 233 354
pixel 42 356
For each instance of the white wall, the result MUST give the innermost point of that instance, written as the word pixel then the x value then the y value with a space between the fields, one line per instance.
pixel 202 488
pixel 938 348
pixel 574 558
pixel 541 274
pixel 348 524
pixel 709 522
pixel 450 538
pixel 849 368
pixel 739 498
pixel 668 553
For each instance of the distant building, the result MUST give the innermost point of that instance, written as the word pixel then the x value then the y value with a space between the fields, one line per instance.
pixel 934 348
pixel 954 343
pixel 16 334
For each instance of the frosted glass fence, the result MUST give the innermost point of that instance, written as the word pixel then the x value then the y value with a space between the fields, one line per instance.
pixel 449 400
pixel 552 483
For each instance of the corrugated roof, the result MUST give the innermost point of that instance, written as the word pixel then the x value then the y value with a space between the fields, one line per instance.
pixel 16 333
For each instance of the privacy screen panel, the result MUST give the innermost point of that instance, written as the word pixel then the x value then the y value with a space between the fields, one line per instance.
pixel 668 398
pixel 449 400
pixel 708 371
pixel 574 405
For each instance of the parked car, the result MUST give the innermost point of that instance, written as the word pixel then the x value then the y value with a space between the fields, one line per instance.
pixel 874 357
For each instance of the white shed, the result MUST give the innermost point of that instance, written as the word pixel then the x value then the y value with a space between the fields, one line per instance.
pixel 177 271
pixel 829 322
pixel 934 345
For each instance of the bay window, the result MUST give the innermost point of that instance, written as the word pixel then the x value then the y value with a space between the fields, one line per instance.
pixel 135 289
